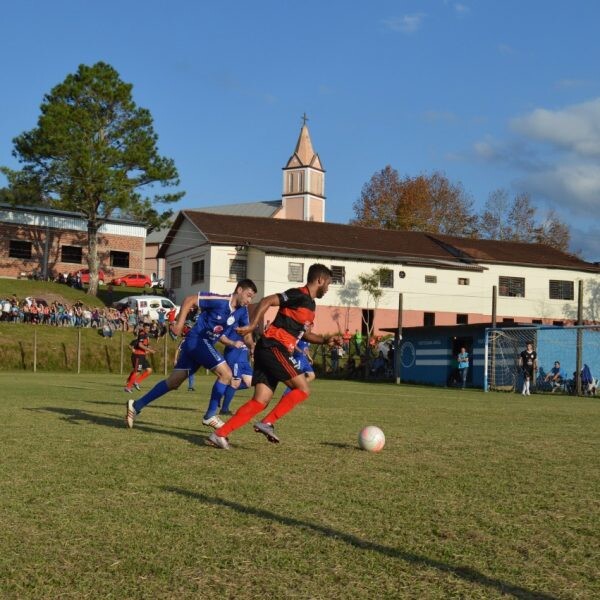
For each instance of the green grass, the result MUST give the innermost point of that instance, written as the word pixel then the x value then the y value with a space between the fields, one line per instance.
pixel 474 496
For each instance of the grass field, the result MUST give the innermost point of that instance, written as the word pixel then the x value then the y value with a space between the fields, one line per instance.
pixel 474 496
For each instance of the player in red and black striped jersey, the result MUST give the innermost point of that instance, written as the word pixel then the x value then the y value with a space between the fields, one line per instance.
pixel 139 362
pixel 274 359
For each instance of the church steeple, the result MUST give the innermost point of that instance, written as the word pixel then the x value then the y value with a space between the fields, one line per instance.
pixel 304 181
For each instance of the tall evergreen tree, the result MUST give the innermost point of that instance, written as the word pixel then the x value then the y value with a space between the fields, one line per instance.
pixel 94 152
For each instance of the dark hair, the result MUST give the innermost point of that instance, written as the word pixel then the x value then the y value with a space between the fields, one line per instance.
pixel 245 284
pixel 318 270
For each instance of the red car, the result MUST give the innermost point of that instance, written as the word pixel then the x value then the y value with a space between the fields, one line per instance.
pixel 133 280
pixel 85 275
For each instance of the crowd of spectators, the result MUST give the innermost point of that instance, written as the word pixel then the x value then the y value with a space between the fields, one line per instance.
pixel 106 320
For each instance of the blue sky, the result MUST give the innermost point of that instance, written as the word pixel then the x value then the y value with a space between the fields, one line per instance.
pixel 502 94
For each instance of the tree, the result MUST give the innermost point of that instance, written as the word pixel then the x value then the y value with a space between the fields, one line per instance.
pixel 423 203
pixel 94 152
pixel 515 220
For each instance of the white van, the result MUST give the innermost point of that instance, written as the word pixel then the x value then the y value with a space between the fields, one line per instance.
pixel 147 305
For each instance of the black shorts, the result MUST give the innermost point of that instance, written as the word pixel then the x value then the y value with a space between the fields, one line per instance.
pixel 139 362
pixel 272 364
pixel 528 372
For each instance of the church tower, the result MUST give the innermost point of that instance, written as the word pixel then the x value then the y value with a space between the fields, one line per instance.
pixel 304 182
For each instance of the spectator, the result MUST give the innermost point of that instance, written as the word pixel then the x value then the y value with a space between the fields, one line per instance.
pixel 463 366
pixel 555 377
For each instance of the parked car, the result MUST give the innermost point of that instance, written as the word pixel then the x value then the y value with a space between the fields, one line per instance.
pixel 133 280
pixel 85 275
pixel 146 305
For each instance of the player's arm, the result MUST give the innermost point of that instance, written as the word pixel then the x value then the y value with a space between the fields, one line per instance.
pixel 186 306
pixel 231 343
pixel 263 306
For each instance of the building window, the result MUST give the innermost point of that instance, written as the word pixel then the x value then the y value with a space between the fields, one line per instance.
pixel 386 278
pixel 119 259
pixel 536 321
pixel 339 274
pixel 295 271
pixel 558 323
pixel 428 319
pixel 19 249
pixel 198 271
pixel 561 290
pixel 430 278
pixel 176 277
pixel 237 269
pixel 71 254
pixel 462 319
pixel 463 281
pixel 512 286
pixel 508 320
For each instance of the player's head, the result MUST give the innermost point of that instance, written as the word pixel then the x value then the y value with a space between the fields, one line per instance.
pixel 244 292
pixel 320 276
pixel 556 363
pixel 529 346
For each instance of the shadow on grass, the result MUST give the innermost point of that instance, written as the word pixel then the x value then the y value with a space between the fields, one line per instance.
pixel 466 573
pixel 180 408
pixel 75 417
pixel 342 445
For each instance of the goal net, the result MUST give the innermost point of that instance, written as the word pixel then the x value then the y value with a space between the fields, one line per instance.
pixel 504 345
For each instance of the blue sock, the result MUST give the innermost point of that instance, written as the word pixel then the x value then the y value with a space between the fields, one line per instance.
pixel 215 399
pixel 286 392
pixel 160 389
pixel 191 380
pixel 229 393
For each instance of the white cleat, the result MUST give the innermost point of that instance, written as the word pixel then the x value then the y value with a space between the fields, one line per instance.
pixel 213 422
pixel 218 441
pixel 131 414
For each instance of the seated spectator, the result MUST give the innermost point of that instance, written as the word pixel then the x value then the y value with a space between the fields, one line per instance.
pixel 556 376
pixel 378 365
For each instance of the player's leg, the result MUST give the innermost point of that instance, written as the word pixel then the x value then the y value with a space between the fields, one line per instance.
pixel 241 380
pixel 223 373
pixel 299 391
pixel 145 373
pixel 133 374
pixel 191 381
pixel 232 388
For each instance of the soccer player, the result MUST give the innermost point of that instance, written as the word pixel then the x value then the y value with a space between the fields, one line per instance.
pixel 274 355
pixel 238 359
pixel 302 355
pixel 217 314
pixel 528 362
pixel 139 359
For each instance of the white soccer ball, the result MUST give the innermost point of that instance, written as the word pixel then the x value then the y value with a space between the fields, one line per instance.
pixel 371 438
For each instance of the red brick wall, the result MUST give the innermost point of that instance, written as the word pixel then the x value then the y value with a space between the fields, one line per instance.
pixel 13 267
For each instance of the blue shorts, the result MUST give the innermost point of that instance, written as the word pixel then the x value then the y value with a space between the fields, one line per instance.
pixel 196 352
pixel 240 368
pixel 305 365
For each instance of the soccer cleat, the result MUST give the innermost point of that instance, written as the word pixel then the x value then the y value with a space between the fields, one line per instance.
pixel 127 389
pixel 131 414
pixel 191 390
pixel 137 386
pixel 218 441
pixel 213 422
pixel 267 430
pixel 227 413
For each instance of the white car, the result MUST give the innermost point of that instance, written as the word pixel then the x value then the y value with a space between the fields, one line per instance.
pixel 147 305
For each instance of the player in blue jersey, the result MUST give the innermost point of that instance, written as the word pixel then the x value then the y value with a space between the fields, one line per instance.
pixel 218 314
pixel 302 355
pixel 238 359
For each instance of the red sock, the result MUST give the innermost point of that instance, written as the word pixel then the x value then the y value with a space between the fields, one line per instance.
pixel 243 414
pixel 286 404
pixel 143 376
pixel 131 379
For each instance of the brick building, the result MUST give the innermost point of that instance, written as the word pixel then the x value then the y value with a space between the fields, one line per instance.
pixel 48 242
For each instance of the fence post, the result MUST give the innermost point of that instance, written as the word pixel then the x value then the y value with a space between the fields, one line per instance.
pixel 121 367
pixel 166 354
pixel 35 350
pixel 79 350
pixel 398 340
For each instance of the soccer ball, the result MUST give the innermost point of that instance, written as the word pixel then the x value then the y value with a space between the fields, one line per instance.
pixel 371 438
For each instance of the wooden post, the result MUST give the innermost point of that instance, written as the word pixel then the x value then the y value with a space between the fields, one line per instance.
pixel 579 351
pixel 398 340
pixel 494 323
pixel 122 336
pixel 166 353
pixel 79 350
pixel 35 350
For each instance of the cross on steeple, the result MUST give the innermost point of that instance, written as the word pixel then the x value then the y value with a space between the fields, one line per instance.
pixel 304 119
